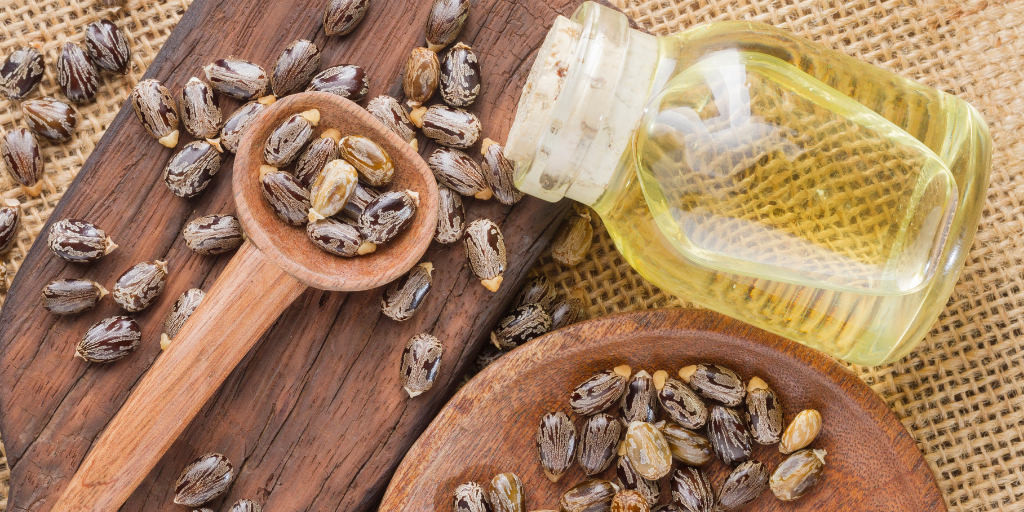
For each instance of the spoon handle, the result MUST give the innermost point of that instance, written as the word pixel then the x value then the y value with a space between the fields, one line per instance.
pixel 245 301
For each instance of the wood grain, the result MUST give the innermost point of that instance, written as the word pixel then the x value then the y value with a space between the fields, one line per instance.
pixel 489 426
pixel 314 417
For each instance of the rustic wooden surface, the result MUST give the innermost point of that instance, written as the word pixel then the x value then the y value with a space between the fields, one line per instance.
pixel 314 418
pixel 489 426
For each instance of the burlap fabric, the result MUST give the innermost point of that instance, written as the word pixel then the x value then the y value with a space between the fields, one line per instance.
pixel 959 394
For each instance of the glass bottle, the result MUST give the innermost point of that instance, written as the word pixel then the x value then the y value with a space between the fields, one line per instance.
pixel 761 175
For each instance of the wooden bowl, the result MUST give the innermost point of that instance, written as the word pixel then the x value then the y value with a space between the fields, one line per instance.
pixel 288 246
pixel 490 425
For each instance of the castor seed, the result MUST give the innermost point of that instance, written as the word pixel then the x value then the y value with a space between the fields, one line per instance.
pixel 390 112
pixel 140 286
pixel 729 435
pixel 21 72
pixel 487 356
pixel 79 241
pixel 182 309
pixel 331 189
pixel 156 110
pixel 572 242
pixel 506 493
pixel 199 112
pixel 470 497
pixel 746 482
pixel 630 479
pixel 10 221
pixel 499 172
pixel 289 138
pixel 286 195
pixel 24 162
pixel 246 506
pixel 110 340
pixel 237 78
pixel 691 489
pixel 556 444
pixel 347 81
pixel 3 276
pixel 523 324
pixel 108 47
pixel 422 74
pixel 445 22
pixel 316 156
pixel 798 474
pixel 203 479
pixel 600 392
pixel 460 76
pixel 191 169
pixel 452 127
pixel 629 501
pixel 357 202
pixel 537 290
pixel 295 67
pixel 76 74
pixel 342 16
pixel 451 216
pixel 647 450
pixel 681 404
pixel 640 401
pixel 801 431
pixel 457 171
pixel 72 296
pixel 764 412
pixel 485 247
pixel 591 495
pixel 387 215
pixel 687 446
pixel 599 443
pixel 406 294
pixel 236 125
pixel 213 234
pixel 338 237
pixel 51 118
pixel 421 361
pixel 567 312
pixel 715 382
pixel 372 161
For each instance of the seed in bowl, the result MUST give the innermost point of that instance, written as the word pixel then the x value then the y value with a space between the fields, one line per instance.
pixel 236 125
pixel 764 412
pixel 331 189
pixel 470 497
pixel 506 493
pixel 631 480
pixel 801 431
pixel 746 482
pixel 387 215
pixel 338 237
pixel 594 494
pixel 373 163
pixel 629 501
pixel 287 197
pixel 599 443
pixel 729 435
pixel 289 138
pixel 639 402
pixel 316 156
pixel 798 474
pixel 692 489
pixel 600 392
pixel 681 404
pixel 687 446
pixel 715 382
pixel 556 444
pixel 647 450
pixel 361 197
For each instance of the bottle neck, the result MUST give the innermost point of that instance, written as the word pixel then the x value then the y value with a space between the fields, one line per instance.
pixel 581 105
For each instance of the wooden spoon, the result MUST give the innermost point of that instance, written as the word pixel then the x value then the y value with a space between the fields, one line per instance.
pixel 269 271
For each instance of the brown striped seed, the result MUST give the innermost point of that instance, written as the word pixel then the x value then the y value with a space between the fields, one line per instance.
pixel 76 74
pixel 422 74
pixel 156 110
pixel 687 446
pixel 572 242
pixel 246 506
pixel 452 127
pixel 537 290
pixel 20 152
pixel 237 78
pixel 140 286
pixel 640 401
pixel 523 324
pixel 372 162
pixel 287 140
pixel 729 435
pixel 488 355
pixel 630 479
pixel 72 296
pixel 764 412
pixel 203 479
pixel 213 234
pixel 337 237
pixel 599 443
pixel 357 202
pixel 451 216
pixel 191 169
pixel 286 195
pixel 485 247
pixel 347 81
pixel 470 497
pixel 715 382
pixel 506 493
pixel 10 220
pixel 50 118
pixel 179 314
pixel 567 312
pixel 798 474
pixel 556 444
pixel 629 501
pixel 460 76
pixel 499 172
pixel 316 156
pixel 421 361
pixel 459 172
pixel 691 489
pixel 445 22
pixel 238 123
pixel 199 112
pixel 591 495
pixel 801 431
pixel 342 16
pixel 79 241
pixel 387 215
pixel 21 72
pixel 295 67
pixel 108 47
pixel 331 189
pixel 647 450
pixel 3 276
pixel 668 507
pixel 681 403
pixel 599 392
pixel 406 294
pixel 743 485
pixel 390 112
pixel 110 340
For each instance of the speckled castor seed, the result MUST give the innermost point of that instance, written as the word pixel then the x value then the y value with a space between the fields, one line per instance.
pixel 451 216
pixel 801 431
pixel 338 237
pixel 24 162
pixel 567 312
pixel 764 412
pixel 522 325
pixel 632 480
pixel 199 112
pixel 3 276
pixel 715 382
pixel 445 22
pixel 629 501
pixel 421 361
pixel 316 156
pixel 507 494
pixel 203 479
pixel 470 497
pixel 390 112
pixel 452 127
pixel 485 247
pixel 387 215
pixel 798 474
pixel 599 443
pixel 286 195
pixel 537 290
pixel 51 118
pixel 422 74
pixel 182 309
pixel 600 392
pixel 588 496
pixel 236 125
pixel 572 242
pixel 110 340
pixel 556 444
pixel 76 74
pixel 140 286
pixel 680 403
pixel 647 450
pixel 156 110
pixel 72 296
pixel 21 72
pixel 746 482
pixel 460 76
pixel 79 241
pixel 295 68
pixel 487 356
pixel 191 169
pixel 406 294
pixel 10 221
pixel 687 446
pixel 287 140
pixel 691 489
pixel 347 81
pixel 459 172
pixel 729 435
pixel 357 202
pixel 372 161
pixel 342 16
pixel 108 47
pixel 213 234
pixel 246 506
pixel 499 172
pixel 331 189
pixel 640 401
pixel 237 78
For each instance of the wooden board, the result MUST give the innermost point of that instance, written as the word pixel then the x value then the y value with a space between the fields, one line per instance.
pixel 315 417
pixel 489 426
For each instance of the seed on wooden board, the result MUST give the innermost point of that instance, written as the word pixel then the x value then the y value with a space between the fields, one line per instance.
pixel 691 489
pixel 459 172
pixel 357 202
pixel 506 493
pixel 681 404
pixel 203 479
pixel 422 74
pixel 729 435
pixel 72 296
pixel 10 220
pixel 445 22
pixel 179 314
pixel 591 495
pixel 390 112
pixel 191 169
pixel 499 172
pixel 156 110
pixel 452 127
pixel 630 479
pixel 537 290
pixel 556 444
pixel 387 215
pixel 348 81
pixel 286 195
pixel 315 158
pixel 460 76
pixel 599 443
pixel 801 431
pixel 567 312
pixel 246 506
pixel 647 450
pixel 213 234
pixel 199 112
pixel 488 355
pixel 470 497
pixel 237 78
pixel 485 247
pixel 451 216
pixel 600 392
pixel 421 361
pixel 50 118
pixel 331 189
pixel 79 241
pixel 520 326
pixel 715 382
pixel 629 501
pixel 640 401
pixel 236 125
pixel 764 412
pixel 110 340
pixel 687 446
pixel 338 237
pixel 76 74
pixel 798 474
pixel 295 67
pixel 406 294
pixel 21 72
pixel 108 47
pixel 746 482
pixel 572 242
pixel 373 163
pixel 287 140
pixel 342 16
pixel 140 286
